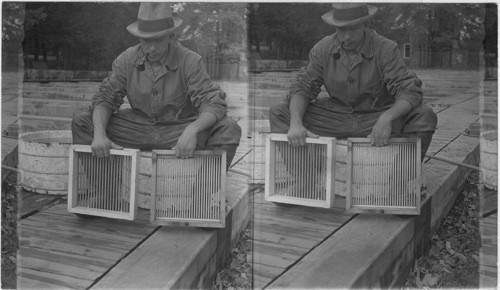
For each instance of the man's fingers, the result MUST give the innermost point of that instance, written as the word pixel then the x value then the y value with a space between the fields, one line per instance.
pixel 98 152
pixel 378 141
pixel 296 141
pixel 183 153
pixel 177 151
pixel 116 146
pixel 311 134
pixel 302 141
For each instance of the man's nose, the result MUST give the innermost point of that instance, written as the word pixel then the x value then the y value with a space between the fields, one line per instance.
pixel 150 47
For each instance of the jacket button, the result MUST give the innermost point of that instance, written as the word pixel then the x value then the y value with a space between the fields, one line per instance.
pixel 155 93
pixel 350 80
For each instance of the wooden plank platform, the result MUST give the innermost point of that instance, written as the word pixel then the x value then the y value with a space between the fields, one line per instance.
pixel 183 258
pixel 488 201
pixel 293 246
pixel 56 244
pixel 377 251
pixel 283 235
pixel 374 250
pixel 11 89
pixel 58 249
pixel 488 256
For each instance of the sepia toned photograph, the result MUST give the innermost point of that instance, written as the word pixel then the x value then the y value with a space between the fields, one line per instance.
pixel 259 145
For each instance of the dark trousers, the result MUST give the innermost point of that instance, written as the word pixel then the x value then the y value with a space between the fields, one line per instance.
pixel 420 122
pixel 131 131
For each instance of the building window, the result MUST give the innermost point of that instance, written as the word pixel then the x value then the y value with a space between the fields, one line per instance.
pixel 407 50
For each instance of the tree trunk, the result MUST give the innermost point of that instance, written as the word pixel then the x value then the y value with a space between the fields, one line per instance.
pixel 36 39
pixel 44 51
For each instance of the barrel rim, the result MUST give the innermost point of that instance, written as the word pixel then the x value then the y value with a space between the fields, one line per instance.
pixel 30 137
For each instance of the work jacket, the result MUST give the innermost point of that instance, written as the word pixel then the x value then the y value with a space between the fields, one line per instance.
pixel 180 91
pixel 376 78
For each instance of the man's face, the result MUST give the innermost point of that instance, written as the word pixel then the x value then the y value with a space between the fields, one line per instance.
pixel 156 47
pixel 352 35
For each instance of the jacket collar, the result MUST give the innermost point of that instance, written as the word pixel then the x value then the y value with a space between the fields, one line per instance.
pixel 170 60
pixel 367 47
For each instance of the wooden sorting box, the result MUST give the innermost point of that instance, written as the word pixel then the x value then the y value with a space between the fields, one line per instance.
pixel 383 179
pixel 189 192
pixel 104 187
pixel 302 175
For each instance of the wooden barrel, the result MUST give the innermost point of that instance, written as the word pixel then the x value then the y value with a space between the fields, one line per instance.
pixel 341 168
pixel 43 161
pixel 145 179
pixel 489 153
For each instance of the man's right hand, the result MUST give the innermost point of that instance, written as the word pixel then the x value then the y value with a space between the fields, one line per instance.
pixel 101 146
pixel 297 135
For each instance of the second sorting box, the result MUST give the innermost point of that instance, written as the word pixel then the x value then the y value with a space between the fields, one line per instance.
pixel 383 179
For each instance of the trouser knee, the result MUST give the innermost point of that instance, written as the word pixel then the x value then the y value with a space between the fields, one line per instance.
pixel 420 119
pixel 82 129
pixel 279 118
pixel 234 130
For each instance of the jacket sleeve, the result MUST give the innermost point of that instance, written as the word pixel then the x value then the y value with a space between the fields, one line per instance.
pixel 114 88
pixel 402 83
pixel 204 94
pixel 309 80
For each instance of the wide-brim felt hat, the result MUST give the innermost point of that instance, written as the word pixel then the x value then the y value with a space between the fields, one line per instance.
pixel 154 20
pixel 345 14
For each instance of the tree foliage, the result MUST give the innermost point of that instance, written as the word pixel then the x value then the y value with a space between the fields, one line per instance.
pixel 12 20
pixel 218 28
pixel 13 15
pixel 290 30
pixel 90 35
pixel 80 35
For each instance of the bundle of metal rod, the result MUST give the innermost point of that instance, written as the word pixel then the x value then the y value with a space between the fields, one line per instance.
pixel 302 175
pixel 103 186
pixel 189 192
pixel 384 179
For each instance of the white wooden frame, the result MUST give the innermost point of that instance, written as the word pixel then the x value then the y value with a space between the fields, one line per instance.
pixel 385 209
pixel 191 222
pixel 270 178
pixel 72 184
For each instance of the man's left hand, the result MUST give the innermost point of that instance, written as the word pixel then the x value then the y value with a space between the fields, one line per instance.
pixel 186 144
pixel 381 132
